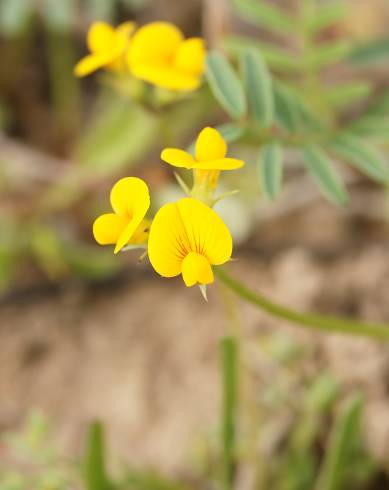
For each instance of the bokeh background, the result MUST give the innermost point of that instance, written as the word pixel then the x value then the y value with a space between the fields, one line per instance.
pixel 87 335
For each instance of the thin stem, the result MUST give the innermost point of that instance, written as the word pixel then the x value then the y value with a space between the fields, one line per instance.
pixel 310 320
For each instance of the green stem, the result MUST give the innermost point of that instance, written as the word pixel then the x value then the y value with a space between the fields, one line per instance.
pixel 310 320
pixel 229 365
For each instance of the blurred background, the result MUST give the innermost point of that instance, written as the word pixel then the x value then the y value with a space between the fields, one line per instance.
pixel 86 335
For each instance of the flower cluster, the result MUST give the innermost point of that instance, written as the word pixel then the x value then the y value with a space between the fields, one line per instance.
pixel 186 237
pixel 156 53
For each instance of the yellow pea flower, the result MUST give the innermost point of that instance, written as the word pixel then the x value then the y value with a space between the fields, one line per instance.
pixel 160 55
pixel 210 154
pixel 107 47
pixel 130 201
pixel 188 237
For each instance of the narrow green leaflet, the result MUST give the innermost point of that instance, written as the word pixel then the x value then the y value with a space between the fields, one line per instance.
pixel 373 127
pixel 14 16
pixel 230 131
pixel 276 57
pixel 345 94
pixel 270 169
pixel 258 86
pixel 341 444
pixel 327 15
pixel 94 462
pixel 362 155
pixel 287 112
pixel 376 51
pixel 225 85
pixel 329 53
pixel 322 171
pixel 265 14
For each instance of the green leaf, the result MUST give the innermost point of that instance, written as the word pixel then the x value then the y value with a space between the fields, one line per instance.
pixel 373 127
pixel 343 95
pixel 326 15
pixel 362 155
pixel 225 85
pixel 287 112
pixel 258 85
pixel 230 131
pixel 229 363
pixel 329 53
pixel 340 447
pixel 118 135
pixel 61 17
pixel 319 166
pixel 90 262
pixel 265 14
pixel 277 58
pixel 270 169
pixel 14 16
pixel 94 461
pixel 376 51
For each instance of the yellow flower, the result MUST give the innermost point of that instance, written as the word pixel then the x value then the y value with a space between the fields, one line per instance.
pixel 211 150
pixel 188 237
pixel 160 55
pixel 130 201
pixel 107 47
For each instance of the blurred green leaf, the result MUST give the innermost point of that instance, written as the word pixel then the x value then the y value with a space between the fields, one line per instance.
pixel 277 58
pixel 322 393
pixel 362 155
pixel 376 51
pixel 345 94
pixel 341 444
pixel 15 16
pixel 329 53
pixel 48 251
pixel 90 261
pixel 326 14
pixel 150 480
pixel 270 169
pixel 100 9
pixel 230 131
pixel 258 86
pixel 372 127
pixel 118 135
pixel 265 14
pixel 225 85
pixel 286 109
pixel 94 460
pixel 320 167
pixel 59 17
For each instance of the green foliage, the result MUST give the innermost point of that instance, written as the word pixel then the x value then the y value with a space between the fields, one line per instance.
pixel 270 169
pixel 265 14
pixel 225 85
pixel 94 460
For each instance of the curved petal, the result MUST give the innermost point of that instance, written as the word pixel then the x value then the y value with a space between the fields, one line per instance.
pixel 168 242
pixel 108 227
pixel 190 56
pixel 130 198
pixel 165 76
pixel 93 62
pixel 177 158
pixel 196 269
pixel 156 42
pixel 207 234
pixel 128 232
pixel 100 37
pixel 210 145
pixel 221 164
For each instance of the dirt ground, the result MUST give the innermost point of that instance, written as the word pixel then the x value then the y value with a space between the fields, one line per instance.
pixel 140 353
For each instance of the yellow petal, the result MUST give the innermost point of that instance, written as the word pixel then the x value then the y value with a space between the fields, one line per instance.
pixel 108 227
pixel 93 62
pixel 100 37
pixel 210 145
pixel 184 227
pixel 221 164
pixel 196 269
pixel 125 29
pixel 156 42
pixel 207 234
pixel 190 56
pixel 127 234
pixel 168 243
pixel 165 76
pixel 177 158
pixel 130 198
